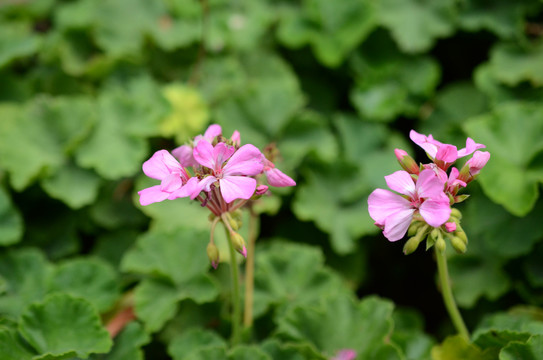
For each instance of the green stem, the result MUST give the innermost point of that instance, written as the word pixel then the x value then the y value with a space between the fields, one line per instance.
pixel 250 270
pixel 448 298
pixel 236 308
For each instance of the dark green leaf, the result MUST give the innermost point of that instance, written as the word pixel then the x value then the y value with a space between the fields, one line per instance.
pixel 192 340
pixel 11 222
pixel 531 350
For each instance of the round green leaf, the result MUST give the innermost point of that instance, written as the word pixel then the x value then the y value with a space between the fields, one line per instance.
pixel 531 350
pixel 127 345
pixel 62 324
pixel 193 340
pixel 11 222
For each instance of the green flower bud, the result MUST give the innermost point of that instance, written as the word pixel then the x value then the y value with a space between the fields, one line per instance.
pixel 411 245
pixel 440 244
pixel 455 213
pixel 414 228
pixel 239 243
pixel 213 255
pixel 458 244
pixel 462 235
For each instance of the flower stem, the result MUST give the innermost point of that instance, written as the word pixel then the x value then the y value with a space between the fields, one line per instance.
pixel 250 270
pixel 236 308
pixel 447 294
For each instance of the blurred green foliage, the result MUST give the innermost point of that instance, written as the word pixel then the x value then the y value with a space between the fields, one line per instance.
pixel 90 88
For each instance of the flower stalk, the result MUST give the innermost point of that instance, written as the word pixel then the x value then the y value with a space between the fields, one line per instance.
pixel 250 270
pixel 234 273
pixel 448 298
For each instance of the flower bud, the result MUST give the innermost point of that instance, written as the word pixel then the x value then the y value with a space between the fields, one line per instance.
pixel 450 226
pixel 261 189
pixel 239 243
pixel 462 235
pixel 414 228
pixel 455 213
pixel 440 244
pixel 458 244
pixel 411 245
pixel 213 255
pixel 406 161
pixel 234 223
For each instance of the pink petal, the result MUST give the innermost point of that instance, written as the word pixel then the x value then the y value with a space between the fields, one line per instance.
pixel 160 165
pixel 401 182
pixel 245 161
pixel 212 131
pixel 347 354
pixel 428 184
pixel 382 203
pixel 151 195
pixel 236 138
pixel 478 161
pixel 450 226
pixel 396 224
pixel 447 153
pixel 436 211
pixel 203 154
pixel 221 153
pixel 171 183
pixel 203 185
pixel 237 187
pixel 191 188
pixel 471 146
pixel 278 179
pixel 184 154
pixel 426 142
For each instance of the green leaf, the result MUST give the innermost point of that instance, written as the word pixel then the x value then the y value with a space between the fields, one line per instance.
pixel 332 29
pixel 92 279
pixel 416 24
pixel 531 350
pixel 390 83
pixel 26 272
pixel 12 347
pixel 363 327
pixel 511 64
pixel 209 353
pixel 288 351
pixel 157 300
pixel 503 18
pixel 248 352
pixel 76 187
pixel 179 255
pixel 457 348
pixel 291 274
pixel 16 41
pixel 62 325
pixel 127 345
pixel 192 340
pixel 11 222
pixel 409 335
pixel 475 277
pixel 510 134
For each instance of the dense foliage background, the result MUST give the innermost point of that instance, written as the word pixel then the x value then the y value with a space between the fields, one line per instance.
pixel 90 89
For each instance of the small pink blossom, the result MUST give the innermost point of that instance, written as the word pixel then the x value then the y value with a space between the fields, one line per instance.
pixel 230 168
pixel 450 226
pixel 275 176
pixel 477 162
pixel 184 154
pixel 346 354
pixel 443 154
pixel 175 181
pixel 394 213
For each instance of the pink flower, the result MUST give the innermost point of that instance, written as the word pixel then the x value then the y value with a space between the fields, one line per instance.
pixel 184 152
pixel 443 154
pixel 230 168
pixel 477 162
pixel 394 213
pixel 347 354
pixel 275 176
pixel 175 181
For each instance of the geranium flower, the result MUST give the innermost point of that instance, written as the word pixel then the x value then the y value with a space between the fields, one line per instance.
pixel 275 176
pixel 184 152
pixel 394 213
pixel 230 167
pixel 443 154
pixel 175 181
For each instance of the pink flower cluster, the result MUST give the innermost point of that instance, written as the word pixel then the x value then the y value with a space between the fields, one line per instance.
pixel 215 170
pixel 426 192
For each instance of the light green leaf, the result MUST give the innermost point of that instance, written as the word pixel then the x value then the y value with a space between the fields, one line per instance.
pixel 289 351
pixel 416 24
pixel 16 41
pixel 62 324
pixel 474 277
pixel 12 347
pixel 192 340
pixel 157 300
pixel 457 348
pixel 510 133
pixel 363 327
pixel 74 186
pixel 512 64
pixel 92 279
pixel 248 352
pixel 290 274
pixel 127 345
pixel 179 255
pixel 332 29
pixel 25 272
pixel 11 222
pixel 531 350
